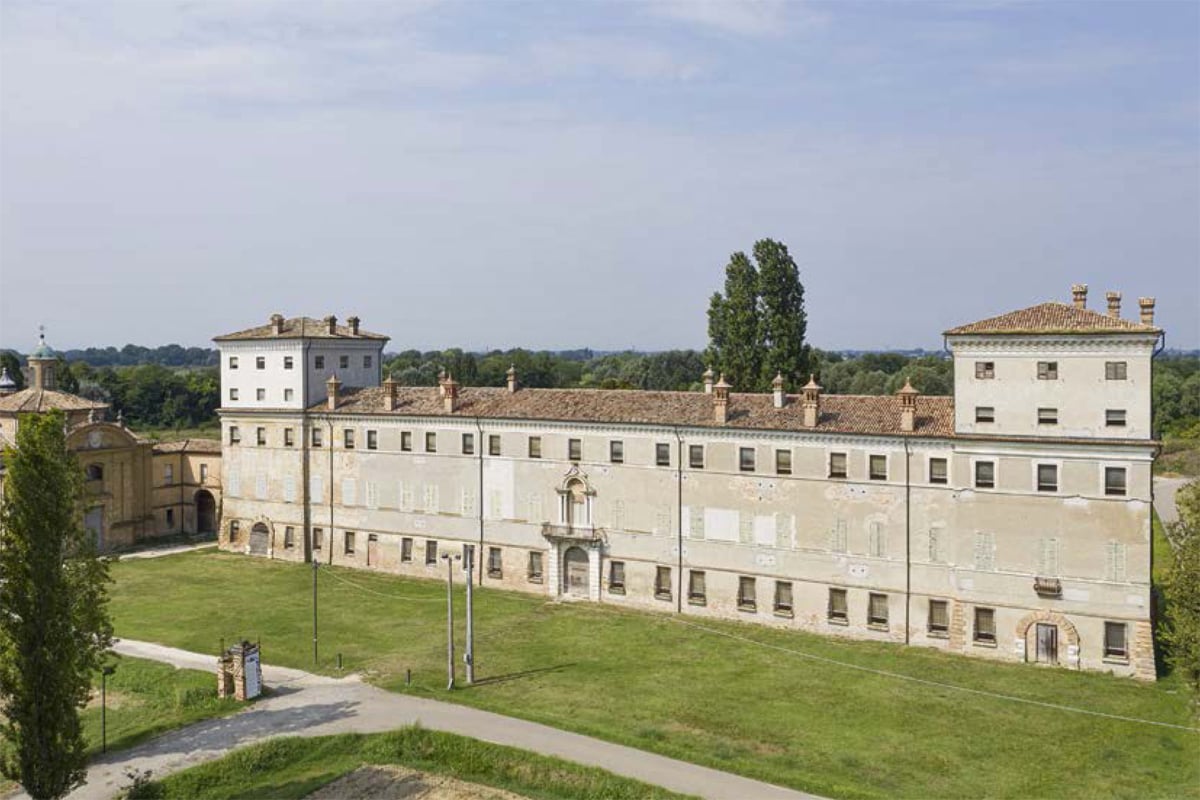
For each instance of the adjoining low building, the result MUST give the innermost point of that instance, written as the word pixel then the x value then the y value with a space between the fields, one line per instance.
pixel 135 490
pixel 1011 521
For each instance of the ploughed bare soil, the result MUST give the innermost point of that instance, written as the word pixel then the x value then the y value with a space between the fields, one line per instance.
pixel 401 783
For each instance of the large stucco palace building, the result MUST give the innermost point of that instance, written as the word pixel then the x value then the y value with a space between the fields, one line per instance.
pixel 1010 521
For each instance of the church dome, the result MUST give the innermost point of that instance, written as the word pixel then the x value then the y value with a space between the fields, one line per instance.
pixel 43 350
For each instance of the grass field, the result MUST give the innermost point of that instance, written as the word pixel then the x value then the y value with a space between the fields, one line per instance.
pixel 776 712
pixel 294 767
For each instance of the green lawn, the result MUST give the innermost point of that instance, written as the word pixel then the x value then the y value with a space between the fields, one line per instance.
pixel 651 682
pixel 294 767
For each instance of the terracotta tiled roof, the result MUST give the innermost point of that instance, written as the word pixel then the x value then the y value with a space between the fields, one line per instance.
pixel 37 400
pixel 865 414
pixel 1053 318
pixel 189 446
pixel 298 327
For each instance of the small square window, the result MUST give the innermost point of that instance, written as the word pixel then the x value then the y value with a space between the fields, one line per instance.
pixel 783 598
pixel 235 529
pixel 406 545
pixel 985 625
pixel 168 473
pixel 1114 417
pixel 985 370
pixel 260 436
pixel 288 394
pixel 535 447
pixel 494 445
pixel 260 362
pixel 746 457
pixel 495 564
pixel 1114 481
pixel 838 611
pixel 289 537
pixel 260 395
pixel 406 441
pixel 985 474
pixel 1047 477
pixel 696 456
pixel 1115 370
pixel 879 468
pixel 233 394
pixel 1047 416
pixel 203 472
pixel 877 610
pixel 170 515
pixel 430 441
pixel 289 437
pixel 318 538
pixel 468 444
pixel 348 548
pixel 783 462
pixel 318 437
pixel 1047 370
pixel 662 582
pixel 372 440
pixel 697 591
pixel 985 414
pixel 837 465
pixel 318 362
pixel 616 577
pixel 233 362
pixel 430 553
pixel 367 361
pixel 937 470
pixel 662 454
pixel 939 618
pixel 348 438
pixel 235 435
pixel 343 362
pixel 747 599
pixel 534 571
pixel 288 362
pixel 1115 641
pixel 574 449
pixel 616 451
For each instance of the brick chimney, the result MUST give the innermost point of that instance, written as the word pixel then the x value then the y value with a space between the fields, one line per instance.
pixel 331 325
pixel 908 406
pixel 721 401
pixel 389 393
pixel 1147 306
pixel 708 380
pixel 353 323
pixel 810 402
pixel 332 387
pixel 512 378
pixel 450 395
pixel 277 324
pixel 441 383
pixel 1114 304
pixel 1079 295
pixel 777 390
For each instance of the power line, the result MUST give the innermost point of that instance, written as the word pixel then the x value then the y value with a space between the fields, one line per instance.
pixel 387 595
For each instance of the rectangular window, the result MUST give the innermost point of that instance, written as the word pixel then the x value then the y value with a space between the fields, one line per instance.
pixel 696 456
pixel 697 593
pixel 985 370
pixel 1114 481
pixel 838 608
pixel 343 362
pixel 1115 641
pixel 406 549
pixel 985 625
pixel 406 441
pixel 616 577
pixel 260 394
pixel 260 362
pixel 495 565
pixel 233 362
pixel 747 598
pixel 235 435
pixel 937 470
pixel 318 362
pixel 985 414
pixel 288 395
pixel 430 442
pixel 288 362
pixel 877 610
pixel 985 474
pixel 746 459
pixel 367 362
pixel 574 449
pixel 168 473
pixel 203 472
pixel 1047 370
pixel 318 538
pixel 348 438
pixel 985 550
pixel 535 447
pixel 233 394
pixel 1047 477
pixel 616 451
pixel 349 542
pixel 1115 370
pixel 318 437
pixel 235 529
pixel 837 465
pixel 1047 416
pixel 289 437
pixel 468 444
pixel 430 552
pixel 289 537
pixel 939 618
pixel 372 440
pixel 662 454
pixel 662 582
pixel 783 462
pixel 783 598
pixel 260 436
pixel 494 445
pixel 534 572
pixel 879 468
pixel 170 518
pixel 1114 417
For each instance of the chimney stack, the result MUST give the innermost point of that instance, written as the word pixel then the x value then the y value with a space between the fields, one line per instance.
pixel 708 380
pixel 721 401
pixel 1114 304
pixel 441 383
pixel 277 324
pixel 811 402
pixel 1147 306
pixel 353 323
pixel 450 395
pixel 512 378
pixel 331 325
pixel 1079 294
pixel 332 388
pixel 908 407
pixel 777 390
pixel 389 393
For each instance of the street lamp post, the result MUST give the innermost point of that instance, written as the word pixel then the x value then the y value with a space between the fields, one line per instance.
pixel 469 656
pixel 450 618
pixel 104 673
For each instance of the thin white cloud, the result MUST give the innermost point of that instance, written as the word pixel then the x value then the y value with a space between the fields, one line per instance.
pixel 743 17
pixel 592 56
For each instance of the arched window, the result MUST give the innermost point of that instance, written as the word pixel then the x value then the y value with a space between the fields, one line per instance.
pixel 95 472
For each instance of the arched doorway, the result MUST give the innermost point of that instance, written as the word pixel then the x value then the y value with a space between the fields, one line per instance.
pixel 575 572
pixel 260 537
pixel 1043 635
pixel 206 512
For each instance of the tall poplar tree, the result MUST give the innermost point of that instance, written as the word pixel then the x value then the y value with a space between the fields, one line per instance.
pixel 54 627
pixel 783 321
pixel 733 325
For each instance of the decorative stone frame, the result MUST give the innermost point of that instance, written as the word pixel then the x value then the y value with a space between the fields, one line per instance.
pixel 1070 634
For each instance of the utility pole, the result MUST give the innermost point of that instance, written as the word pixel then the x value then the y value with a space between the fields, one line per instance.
pixel 104 673
pixel 314 582
pixel 469 656
pixel 450 618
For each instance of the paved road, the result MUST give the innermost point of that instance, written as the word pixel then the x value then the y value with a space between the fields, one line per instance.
pixel 1164 497
pixel 304 704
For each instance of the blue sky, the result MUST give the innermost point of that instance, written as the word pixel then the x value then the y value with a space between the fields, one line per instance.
pixel 576 174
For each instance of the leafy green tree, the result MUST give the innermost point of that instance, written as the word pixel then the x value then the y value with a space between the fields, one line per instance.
pixel 65 380
pixel 1181 631
pixel 781 311
pixel 54 627
pixel 12 362
pixel 734 326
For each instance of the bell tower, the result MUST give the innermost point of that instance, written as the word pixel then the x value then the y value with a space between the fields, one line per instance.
pixel 42 363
